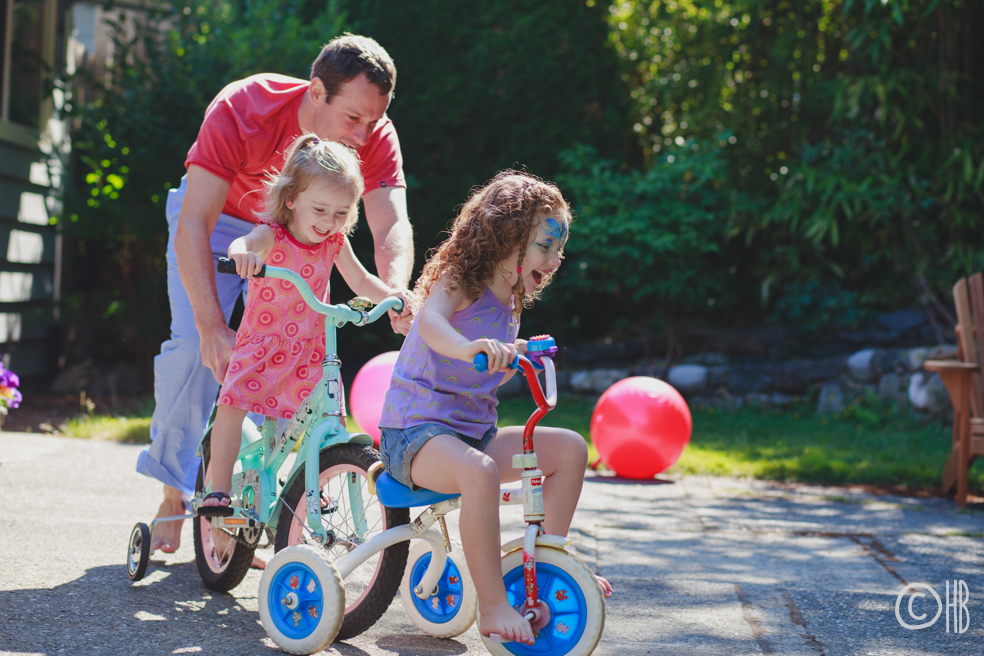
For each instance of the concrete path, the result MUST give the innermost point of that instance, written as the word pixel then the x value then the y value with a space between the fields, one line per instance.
pixel 702 566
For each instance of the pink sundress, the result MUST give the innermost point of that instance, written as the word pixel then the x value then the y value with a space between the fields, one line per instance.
pixel 281 341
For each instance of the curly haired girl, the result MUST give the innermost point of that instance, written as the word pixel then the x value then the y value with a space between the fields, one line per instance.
pixel 439 419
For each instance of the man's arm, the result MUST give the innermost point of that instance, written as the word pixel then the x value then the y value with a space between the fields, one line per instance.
pixel 204 198
pixel 392 236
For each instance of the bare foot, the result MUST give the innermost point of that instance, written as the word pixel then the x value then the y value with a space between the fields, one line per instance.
pixel 167 535
pixel 606 587
pixel 259 561
pixel 503 619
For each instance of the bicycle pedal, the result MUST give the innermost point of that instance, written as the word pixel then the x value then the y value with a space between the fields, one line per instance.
pixel 216 511
pixel 328 505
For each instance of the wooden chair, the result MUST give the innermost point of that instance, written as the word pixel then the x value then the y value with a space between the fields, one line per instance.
pixel 962 379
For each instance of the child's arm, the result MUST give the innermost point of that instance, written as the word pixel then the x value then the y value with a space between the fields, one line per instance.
pixel 364 283
pixel 250 250
pixel 434 324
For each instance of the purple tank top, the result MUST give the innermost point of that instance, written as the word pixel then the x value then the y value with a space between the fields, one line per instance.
pixel 428 387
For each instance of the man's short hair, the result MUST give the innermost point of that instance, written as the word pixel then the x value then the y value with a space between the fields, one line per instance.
pixel 347 56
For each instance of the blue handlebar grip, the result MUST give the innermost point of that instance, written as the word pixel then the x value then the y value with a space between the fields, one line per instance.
pixel 481 362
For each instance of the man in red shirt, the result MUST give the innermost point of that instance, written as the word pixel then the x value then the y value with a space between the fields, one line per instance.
pixel 245 134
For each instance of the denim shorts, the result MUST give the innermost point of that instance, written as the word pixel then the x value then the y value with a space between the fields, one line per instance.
pixel 398 446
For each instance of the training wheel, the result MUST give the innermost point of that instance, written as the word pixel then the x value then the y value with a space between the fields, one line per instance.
pixel 301 600
pixel 571 593
pixel 138 552
pixel 451 610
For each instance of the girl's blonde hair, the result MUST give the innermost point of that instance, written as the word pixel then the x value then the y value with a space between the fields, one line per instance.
pixel 311 160
pixel 495 221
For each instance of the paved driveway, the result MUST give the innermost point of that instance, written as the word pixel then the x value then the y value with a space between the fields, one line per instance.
pixel 700 566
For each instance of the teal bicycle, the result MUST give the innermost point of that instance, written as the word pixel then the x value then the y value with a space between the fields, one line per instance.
pixel 322 499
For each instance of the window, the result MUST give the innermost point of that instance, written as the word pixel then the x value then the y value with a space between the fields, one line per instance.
pixel 23 64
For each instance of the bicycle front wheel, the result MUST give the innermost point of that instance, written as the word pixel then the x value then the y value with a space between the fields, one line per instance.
pixel 352 516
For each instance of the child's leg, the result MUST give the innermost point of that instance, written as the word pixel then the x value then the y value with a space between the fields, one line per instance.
pixel 227 435
pixel 446 464
pixel 562 456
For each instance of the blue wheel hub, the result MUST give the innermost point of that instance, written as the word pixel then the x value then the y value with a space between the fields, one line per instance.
pixel 568 609
pixel 444 605
pixel 296 600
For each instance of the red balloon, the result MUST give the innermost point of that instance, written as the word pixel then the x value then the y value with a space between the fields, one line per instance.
pixel 640 426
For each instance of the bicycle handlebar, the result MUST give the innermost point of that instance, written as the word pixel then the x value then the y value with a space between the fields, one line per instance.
pixel 341 313
pixel 481 362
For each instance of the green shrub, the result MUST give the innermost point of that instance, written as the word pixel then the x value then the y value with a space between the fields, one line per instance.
pixel 131 137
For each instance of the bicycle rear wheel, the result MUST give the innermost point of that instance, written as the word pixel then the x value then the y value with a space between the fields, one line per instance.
pixel 352 516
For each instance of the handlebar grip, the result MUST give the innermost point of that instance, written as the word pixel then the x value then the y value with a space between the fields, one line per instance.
pixel 481 362
pixel 228 265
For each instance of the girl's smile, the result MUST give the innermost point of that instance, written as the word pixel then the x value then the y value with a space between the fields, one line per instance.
pixel 320 211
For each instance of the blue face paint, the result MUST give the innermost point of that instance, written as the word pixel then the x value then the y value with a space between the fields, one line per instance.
pixel 557 230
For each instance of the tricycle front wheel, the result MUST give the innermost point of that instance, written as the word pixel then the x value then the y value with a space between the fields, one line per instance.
pixel 351 515
pixel 573 596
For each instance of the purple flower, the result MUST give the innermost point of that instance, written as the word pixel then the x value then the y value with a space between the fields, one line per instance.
pixel 9 378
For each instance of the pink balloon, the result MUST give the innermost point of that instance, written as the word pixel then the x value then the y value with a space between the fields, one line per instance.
pixel 369 391
pixel 640 426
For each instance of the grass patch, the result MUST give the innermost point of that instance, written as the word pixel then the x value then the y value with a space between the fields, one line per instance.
pixel 133 430
pixel 870 443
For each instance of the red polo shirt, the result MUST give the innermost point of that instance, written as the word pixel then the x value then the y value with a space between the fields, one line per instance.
pixel 251 124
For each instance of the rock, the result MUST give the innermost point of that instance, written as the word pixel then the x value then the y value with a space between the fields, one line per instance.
pixel 688 378
pixel 596 381
pixel 831 399
pixel 863 365
pixel 914 358
pixel 709 359
pixel 749 378
pixel 902 320
pixel 75 379
pixel 926 392
pixel 121 380
pixel 797 375
pixel 605 352
pixel 717 377
pixel 893 387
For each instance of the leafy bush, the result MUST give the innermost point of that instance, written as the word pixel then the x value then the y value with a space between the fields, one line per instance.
pixel 857 122
pixel 131 137
pixel 652 245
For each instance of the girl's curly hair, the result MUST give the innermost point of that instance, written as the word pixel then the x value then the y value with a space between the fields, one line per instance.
pixel 308 160
pixel 494 222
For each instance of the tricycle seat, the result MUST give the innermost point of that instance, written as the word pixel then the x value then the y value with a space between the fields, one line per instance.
pixel 393 494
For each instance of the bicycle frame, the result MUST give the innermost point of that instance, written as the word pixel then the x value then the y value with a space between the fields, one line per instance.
pixel 317 424
pixel 530 495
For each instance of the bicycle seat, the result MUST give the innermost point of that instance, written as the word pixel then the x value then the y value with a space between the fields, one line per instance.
pixel 394 494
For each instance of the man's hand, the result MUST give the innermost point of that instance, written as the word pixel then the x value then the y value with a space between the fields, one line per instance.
pixel 217 346
pixel 401 321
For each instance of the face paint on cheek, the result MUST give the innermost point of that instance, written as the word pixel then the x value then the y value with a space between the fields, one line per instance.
pixel 556 229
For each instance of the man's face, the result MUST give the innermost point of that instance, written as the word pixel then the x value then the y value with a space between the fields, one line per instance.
pixel 352 114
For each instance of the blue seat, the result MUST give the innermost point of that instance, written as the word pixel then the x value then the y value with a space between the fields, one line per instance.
pixel 394 494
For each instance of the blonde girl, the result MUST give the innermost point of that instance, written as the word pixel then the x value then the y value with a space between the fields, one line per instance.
pixel 312 205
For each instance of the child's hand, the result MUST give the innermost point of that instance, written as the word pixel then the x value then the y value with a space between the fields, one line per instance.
pixel 520 346
pixel 401 321
pixel 248 264
pixel 500 355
